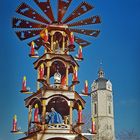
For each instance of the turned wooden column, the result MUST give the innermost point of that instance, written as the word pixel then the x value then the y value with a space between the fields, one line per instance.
pixel 29 117
pixel 68 42
pixel 63 45
pixel 52 33
pixel 43 111
pixel 38 84
pixel 67 75
pixel 71 112
pixel 67 45
pixel 79 117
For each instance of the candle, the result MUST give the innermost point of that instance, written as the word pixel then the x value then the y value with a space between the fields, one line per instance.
pixel 24 84
pixel 80 55
pixel 71 38
pixel 86 87
pixel 93 126
pixel 14 123
pixel 41 71
pixel 75 74
pixel 79 114
pixel 36 112
pixel 46 36
pixel 32 48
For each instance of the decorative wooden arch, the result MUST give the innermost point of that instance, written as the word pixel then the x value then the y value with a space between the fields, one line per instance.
pixel 58 106
pixel 34 100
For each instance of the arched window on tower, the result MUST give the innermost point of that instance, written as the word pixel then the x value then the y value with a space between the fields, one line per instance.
pixel 109 108
pixel 95 108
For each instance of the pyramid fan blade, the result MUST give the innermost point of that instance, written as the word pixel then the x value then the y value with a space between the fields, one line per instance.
pixel 27 11
pixel 62 8
pixel 39 42
pixel 81 42
pixel 86 32
pixel 46 8
pixel 27 34
pixel 80 10
pixel 91 20
pixel 21 23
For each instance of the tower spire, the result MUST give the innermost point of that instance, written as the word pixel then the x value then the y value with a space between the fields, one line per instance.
pixel 101 71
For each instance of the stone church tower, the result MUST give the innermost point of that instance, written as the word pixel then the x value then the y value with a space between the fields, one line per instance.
pixel 102 107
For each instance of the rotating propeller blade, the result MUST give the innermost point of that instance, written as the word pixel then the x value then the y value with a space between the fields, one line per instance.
pixel 23 35
pixel 88 21
pixel 93 33
pixel 39 23
pixel 27 11
pixel 21 23
pixel 46 8
pixel 81 42
pixel 62 8
pixel 80 10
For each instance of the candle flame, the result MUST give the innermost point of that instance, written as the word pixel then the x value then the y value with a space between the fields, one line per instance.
pixel 71 33
pixel 36 105
pixel 76 68
pixel 24 78
pixel 42 66
pixel 80 47
pixel 80 107
pixel 46 31
pixel 15 118
pixel 86 82
pixel 93 120
pixel 32 43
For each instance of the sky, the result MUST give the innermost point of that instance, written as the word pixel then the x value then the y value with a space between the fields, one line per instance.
pixel 117 46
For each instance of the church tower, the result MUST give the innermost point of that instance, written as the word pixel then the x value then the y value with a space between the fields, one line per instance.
pixel 102 107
